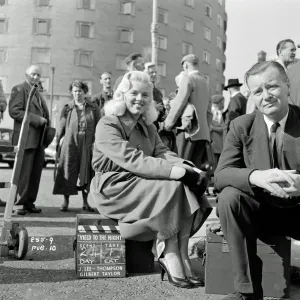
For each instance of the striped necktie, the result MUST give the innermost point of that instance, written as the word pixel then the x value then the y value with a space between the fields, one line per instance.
pixel 273 145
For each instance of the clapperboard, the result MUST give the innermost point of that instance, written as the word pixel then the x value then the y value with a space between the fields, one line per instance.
pixel 99 248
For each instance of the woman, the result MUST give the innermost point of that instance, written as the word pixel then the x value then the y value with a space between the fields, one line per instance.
pixel 78 122
pixel 142 184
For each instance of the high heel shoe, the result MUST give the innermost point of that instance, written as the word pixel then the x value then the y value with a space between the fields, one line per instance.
pixel 196 280
pixel 178 282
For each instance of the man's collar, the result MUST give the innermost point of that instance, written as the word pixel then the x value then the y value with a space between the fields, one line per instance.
pixel 129 123
pixel 282 122
pixel 234 94
pixel 281 62
pixel 194 72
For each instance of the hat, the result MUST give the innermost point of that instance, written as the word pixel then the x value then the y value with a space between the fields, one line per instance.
pixel 232 82
pixel 192 58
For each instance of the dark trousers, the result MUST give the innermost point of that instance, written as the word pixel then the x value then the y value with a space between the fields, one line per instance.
pixel 244 219
pixel 31 170
pixel 194 151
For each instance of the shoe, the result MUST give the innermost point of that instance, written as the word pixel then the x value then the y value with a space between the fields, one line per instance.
pixel 178 282
pixel 196 280
pixel 32 209
pixel 239 296
pixel 21 212
pixel 88 208
pixel 2 203
pixel 64 208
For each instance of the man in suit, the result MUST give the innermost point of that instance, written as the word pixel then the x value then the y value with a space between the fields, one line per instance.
pixel 106 94
pixel 257 176
pixel 134 62
pixel 237 104
pixel 33 160
pixel 192 89
pixel 286 51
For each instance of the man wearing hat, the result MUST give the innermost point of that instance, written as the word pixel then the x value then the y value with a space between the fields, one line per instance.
pixel 192 89
pixel 134 62
pixel 238 103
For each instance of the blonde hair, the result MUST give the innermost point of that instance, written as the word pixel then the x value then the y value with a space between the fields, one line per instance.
pixel 117 105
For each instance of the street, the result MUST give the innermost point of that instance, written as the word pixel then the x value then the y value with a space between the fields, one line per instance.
pixel 48 270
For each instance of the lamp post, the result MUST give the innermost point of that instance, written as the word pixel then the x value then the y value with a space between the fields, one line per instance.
pixel 51 91
pixel 154 32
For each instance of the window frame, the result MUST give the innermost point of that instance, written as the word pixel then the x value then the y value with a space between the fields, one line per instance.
pixel 92 5
pixel 38 3
pixel 220 2
pixel 218 65
pixel 39 62
pixel 219 20
pixel 207 30
pixel 4 50
pixel 166 15
pixel 35 26
pixel 159 38
pixel 203 57
pixel 78 32
pixel 206 78
pixel 5 25
pixel 164 66
pixel 186 2
pixel 183 47
pixel 132 8
pixel 219 43
pixel 186 19
pixel 206 5
pixel 120 29
pixel 5 3
pixel 77 61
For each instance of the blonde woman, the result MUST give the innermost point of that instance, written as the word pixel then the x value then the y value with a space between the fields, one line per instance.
pixel 153 193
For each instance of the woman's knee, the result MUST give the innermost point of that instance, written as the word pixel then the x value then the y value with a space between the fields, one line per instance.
pixel 229 199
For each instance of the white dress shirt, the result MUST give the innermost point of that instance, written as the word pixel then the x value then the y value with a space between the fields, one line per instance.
pixel 282 122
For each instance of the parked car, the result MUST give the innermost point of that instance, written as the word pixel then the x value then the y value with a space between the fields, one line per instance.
pixel 9 158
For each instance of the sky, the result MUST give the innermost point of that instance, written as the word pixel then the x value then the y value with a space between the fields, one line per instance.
pixel 255 25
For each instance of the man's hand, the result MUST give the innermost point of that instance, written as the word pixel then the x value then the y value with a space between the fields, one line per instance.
pixel 272 181
pixel 293 190
pixel 43 121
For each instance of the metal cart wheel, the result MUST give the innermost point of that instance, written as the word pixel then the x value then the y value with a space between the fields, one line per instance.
pixel 21 245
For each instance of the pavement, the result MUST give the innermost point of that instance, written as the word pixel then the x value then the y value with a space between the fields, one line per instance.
pixel 48 270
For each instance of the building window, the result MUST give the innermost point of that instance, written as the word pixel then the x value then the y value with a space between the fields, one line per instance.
pixel 220 2
pixel 3 26
pixel 162 42
pixel 3 55
pixel 206 57
pixel 120 62
pixel 42 2
pixel 125 35
pixel 219 21
pixel 45 81
pixel 3 82
pixel 128 7
pixel 187 48
pixel 41 26
pixel 162 69
pixel 86 4
pixel 85 30
pixel 190 3
pixel 162 16
pixel 218 64
pixel 40 55
pixel 219 43
pixel 207 33
pixel 206 78
pixel 208 10
pixel 3 2
pixel 83 58
pixel 188 24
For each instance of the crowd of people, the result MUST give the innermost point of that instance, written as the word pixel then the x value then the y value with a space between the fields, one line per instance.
pixel 147 160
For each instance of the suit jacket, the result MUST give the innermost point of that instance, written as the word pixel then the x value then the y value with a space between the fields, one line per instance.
pixel 100 99
pixel 246 149
pixel 294 77
pixel 17 106
pixel 193 89
pixel 237 107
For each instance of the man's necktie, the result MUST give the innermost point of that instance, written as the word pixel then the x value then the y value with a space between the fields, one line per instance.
pixel 273 145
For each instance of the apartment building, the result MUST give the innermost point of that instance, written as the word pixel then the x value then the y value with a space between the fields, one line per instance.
pixel 82 38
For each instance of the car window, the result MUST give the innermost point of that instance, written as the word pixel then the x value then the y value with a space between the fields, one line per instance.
pixel 4 136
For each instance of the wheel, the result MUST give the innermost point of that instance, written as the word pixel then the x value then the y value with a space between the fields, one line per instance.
pixel 21 245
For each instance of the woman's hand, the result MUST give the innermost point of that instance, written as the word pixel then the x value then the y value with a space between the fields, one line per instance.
pixel 177 173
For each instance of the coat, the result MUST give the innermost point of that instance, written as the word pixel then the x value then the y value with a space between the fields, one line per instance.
pixel 100 99
pixel 3 103
pixel 246 149
pixel 76 154
pixel 193 89
pixel 132 182
pixel 17 106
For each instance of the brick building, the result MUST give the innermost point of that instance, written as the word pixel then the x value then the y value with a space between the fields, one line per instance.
pixel 82 38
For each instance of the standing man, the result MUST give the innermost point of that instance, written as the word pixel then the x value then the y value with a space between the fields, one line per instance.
pixel 33 160
pixel 286 51
pixel 106 94
pixel 134 62
pixel 3 105
pixel 256 174
pixel 237 104
pixel 192 89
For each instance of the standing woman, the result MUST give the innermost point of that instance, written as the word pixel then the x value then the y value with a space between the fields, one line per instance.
pixel 78 122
